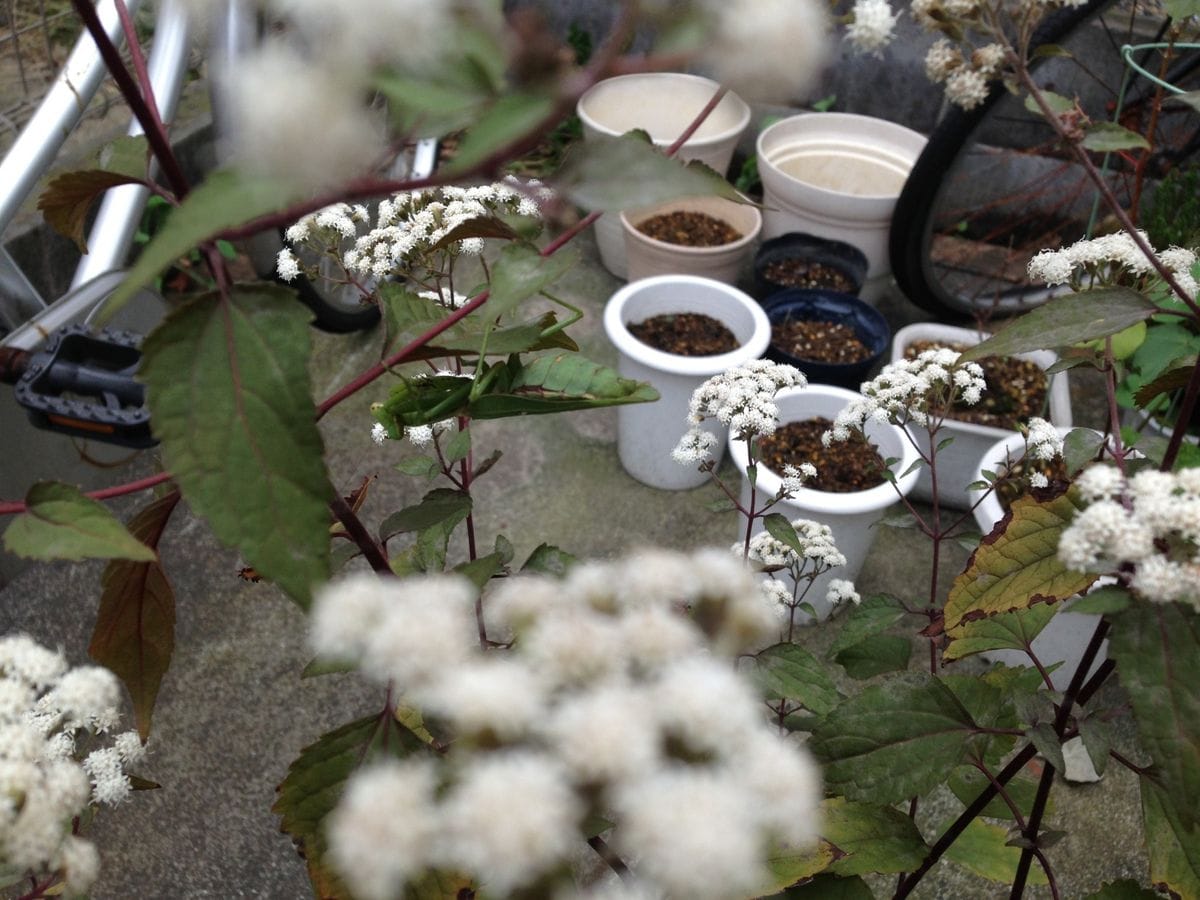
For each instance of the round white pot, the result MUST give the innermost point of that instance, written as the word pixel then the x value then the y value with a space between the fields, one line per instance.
pixel 956 462
pixel 648 432
pixel 663 104
pixel 1065 636
pixel 837 175
pixel 850 516
pixel 647 256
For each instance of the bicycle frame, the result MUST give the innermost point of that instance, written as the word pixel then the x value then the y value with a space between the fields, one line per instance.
pixel 22 309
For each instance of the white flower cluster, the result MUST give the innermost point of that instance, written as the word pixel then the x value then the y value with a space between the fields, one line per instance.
pixel 611 700
pixel 873 26
pixel 1150 521
pixel 742 398
pixel 819 554
pixel 46 710
pixel 1110 259
pixel 908 390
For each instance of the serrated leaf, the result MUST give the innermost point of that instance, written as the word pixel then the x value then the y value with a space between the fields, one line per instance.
pixel 1157 649
pixel 873 615
pixel 1125 889
pixel 520 272
pixel 507 120
pixel 789 865
pixel 418 467
pixel 789 672
pixel 875 655
pixel 230 399
pixel 316 779
pixel 549 560
pixel 989 705
pixel 1017 565
pixel 1066 320
pixel 1046 740
pixel 226 198
pixel 874 838
pixel 967 783
pixel 1059 105
pixel 560 383
pixel 628 173
pixel 68 198
pixel 134 635
pixel 1108 137
pixel 1004 631
pixel 893 740
pixel 983 848
pixel 60 522
pixel 1173 847
pixel 481 570
pixel 1102 601
pixel 438 506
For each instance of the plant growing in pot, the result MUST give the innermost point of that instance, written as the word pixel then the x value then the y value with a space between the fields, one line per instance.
pixel 1016 389
pixel 799 260
pixel 832 338
pixel 691 329
pixel 707 236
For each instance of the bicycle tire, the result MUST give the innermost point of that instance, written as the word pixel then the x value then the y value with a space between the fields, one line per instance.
pixel 911 238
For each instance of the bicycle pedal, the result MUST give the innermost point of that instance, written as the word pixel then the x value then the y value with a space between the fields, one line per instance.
pixel 81 383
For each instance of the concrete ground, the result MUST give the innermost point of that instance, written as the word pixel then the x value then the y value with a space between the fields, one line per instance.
pixel 234 711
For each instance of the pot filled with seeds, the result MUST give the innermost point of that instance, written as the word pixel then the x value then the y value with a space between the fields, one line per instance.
pixel 851 491
pixel 1018 388
pixel 675 332
pixel 832 338
pixel 707 236
pixel 805 261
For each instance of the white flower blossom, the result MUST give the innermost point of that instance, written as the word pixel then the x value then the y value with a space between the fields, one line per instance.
pixel 379 433
pixel 839 589
pixel 966 88
pixel 873 27
pixel 287 266
pixel 1043 440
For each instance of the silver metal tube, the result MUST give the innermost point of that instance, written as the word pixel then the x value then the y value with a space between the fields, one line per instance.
pixel 121 210
pixel 58 113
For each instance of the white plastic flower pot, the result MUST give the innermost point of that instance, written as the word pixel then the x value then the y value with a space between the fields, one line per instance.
pixel 850 516
pixel 956 462
pixel 647 256
pixel 1067 635
pixel 648 432
pixel 837 175
pixel 663 104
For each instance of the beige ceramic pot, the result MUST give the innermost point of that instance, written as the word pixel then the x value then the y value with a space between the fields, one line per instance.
pixel 647 256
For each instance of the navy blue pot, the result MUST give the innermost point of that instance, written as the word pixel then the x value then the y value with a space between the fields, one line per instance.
pixel 845 258
pixel 830 306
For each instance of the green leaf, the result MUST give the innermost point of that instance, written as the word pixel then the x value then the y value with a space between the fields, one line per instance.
pixel 829 887
pixel 1004 631
pixel 983 848
pixel 789 672
pixel 1103 601
pixel 561 383
pixel 68 199
pixel 1080 447
pixel 480 571
pixel 230 399
pixel 628 173
pixel 967 783
pixel 438 506
pixel 873 616
pixel 1066 320
pixel 1059 105
pixel 1017 566
pixel 521 272
pixel 1047 742
pixel 781 529
pixel 1173 378
pixel 789 865
pixel 509 119
pixel 547 559
pixel 405 313
pixel 1125 889
pixel 989 704
pixel 226 198
pixel 1173 847
pixel 892 741
pixel 874 838
pixel 430 106
pixel 1181 9
pixel 875 655
pixel 458 446
pixel 1108 137
pixel 61 523
pixel 1097 737
pixel 318 667
pixel 126 155
pixel 418 467
pixel 134 635
pixel 316 779
pixel 1157 649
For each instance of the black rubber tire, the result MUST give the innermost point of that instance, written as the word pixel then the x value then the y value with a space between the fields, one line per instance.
pixel 911 233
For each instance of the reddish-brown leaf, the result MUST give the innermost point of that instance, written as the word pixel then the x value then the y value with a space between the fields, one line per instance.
pixel 135 625
pixel 69 197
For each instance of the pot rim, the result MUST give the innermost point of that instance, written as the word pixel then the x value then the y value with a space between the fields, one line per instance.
pixel 878 497
pixel 703 366
pixel 682 249
pixel 743 108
